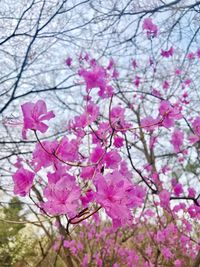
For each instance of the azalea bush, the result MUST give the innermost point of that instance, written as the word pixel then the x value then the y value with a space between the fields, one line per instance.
pixel 124 170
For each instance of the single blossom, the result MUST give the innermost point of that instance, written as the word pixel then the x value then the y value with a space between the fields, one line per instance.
pixel 164 198
pixel 178 189
pixel 169 113
pixel 34 114
pixel 137 81
pixel 94 78
pixel 67 150
pixel 118 141
pixel 191 56
pixel 62 196
pixel 191 192
pixel 165 85
pixel 150 27
pixel 193 138
pixel 43 155
pixel 97 154
pixel 134 64
pixel 23 180
pixel 178 72
pixel 156 92
pixel 116 194
pixel 112 159
pixel 117 118
pixel 177 140
pixel 111 64
pixel 167 53
pixel 198 53
pixel 68 61
pixel 196 125
pixel 87 172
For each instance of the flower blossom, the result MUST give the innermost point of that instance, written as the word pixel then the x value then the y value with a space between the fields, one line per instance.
pixel 167 53
pixel 62 196
pixel 34 115
pixel 177 140
pixel 169 113
pixel 23 180
pixel 150 27
pixel 194 138
pixel 116 194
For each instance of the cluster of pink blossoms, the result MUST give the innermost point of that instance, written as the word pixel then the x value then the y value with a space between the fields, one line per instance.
pixel 81 180
pixel 63 194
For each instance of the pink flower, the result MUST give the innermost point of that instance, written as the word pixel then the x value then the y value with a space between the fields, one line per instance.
pixel 178 263
pixel 23 180
pixel 166 253
pixel 92 112
pixel 196 126
pixel 117 117
pixel 191 56
pixel 187 81
pixel 193 138
pixel 167 53
pixel 169 114
pixel 54 177
pixel 88 198
pixel 178 72
pixel 68 61
pixel 62 196
pixel 191 192
pixel 125 171
pixel 44 156
pixel 18 163
pixel 112 159
pixel 150 27
pixel 102 132
pixel 94 78
pixel 134 63
pixel 118 141
pixel 87 172
pixel 164 198
pixel 34 115
pixel 165 85
pixel 97 78
pixel 185 95
pixel 155 92
pixel 116 194
pixel 111 64
pixel 107 91
pixel 177 140
pixel 97 154
pixel 115 75
pixel 178 189
pixel 137 81
pixel 85 261
pixel 198 53
pixel 67 150
pixel 194 211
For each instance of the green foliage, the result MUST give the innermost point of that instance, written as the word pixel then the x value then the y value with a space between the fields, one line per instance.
pixel 10 226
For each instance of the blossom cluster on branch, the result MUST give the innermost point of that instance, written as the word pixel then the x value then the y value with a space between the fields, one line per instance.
pixel 92 169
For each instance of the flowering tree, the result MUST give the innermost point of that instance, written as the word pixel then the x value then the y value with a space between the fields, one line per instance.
pixel 125 156
pixel 124 169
